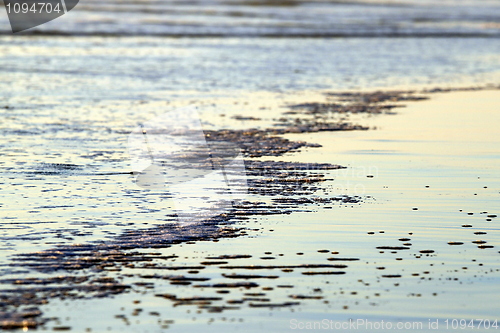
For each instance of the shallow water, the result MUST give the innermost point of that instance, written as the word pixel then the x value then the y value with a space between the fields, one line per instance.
pixel 77 108
pixel 277 18
pixel 89 70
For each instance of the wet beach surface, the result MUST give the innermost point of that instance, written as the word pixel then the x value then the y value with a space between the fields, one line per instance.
pixel 376 240
pixel 366 201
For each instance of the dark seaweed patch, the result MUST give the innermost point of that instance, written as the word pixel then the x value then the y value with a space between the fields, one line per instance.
pixel 342 259
pixel 323 273
pixel 284 266
pixel 246 276
pixel 393 248
pixel 228 285
pixel 273 305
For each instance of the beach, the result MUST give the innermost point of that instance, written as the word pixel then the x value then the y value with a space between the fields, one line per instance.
pixel 401 234
pixel 365 151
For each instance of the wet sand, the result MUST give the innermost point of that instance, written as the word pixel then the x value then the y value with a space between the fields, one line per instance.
pixel 366 206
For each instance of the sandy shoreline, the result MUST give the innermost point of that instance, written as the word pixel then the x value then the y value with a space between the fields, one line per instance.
pixel 245 245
